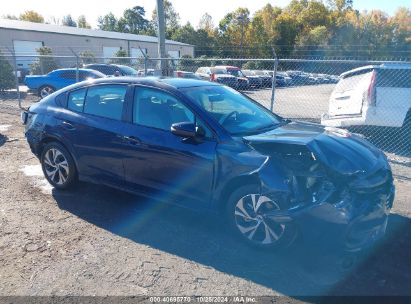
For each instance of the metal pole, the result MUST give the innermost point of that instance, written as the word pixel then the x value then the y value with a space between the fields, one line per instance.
pixel 77 64
pixel 16 78
pixel 145 61
pixel 273 83
pixel 161 36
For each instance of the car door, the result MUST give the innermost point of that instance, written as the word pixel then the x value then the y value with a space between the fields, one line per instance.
pixel 174 168
pixel 92 124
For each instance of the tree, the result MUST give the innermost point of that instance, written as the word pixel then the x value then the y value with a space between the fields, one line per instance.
pixel 87 57
pixel 10 17
pixel 120 60
pixel 68 21
pixel 133 21
pixel 82 22
pixel 206 24
pixel 32 16
pixel 172 19
pixel 45 63
pixel 6 74
pixel 108 22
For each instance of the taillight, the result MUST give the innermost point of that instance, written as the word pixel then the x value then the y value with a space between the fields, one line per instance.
pixel 371 90
pixel 212 77
pixel 179 74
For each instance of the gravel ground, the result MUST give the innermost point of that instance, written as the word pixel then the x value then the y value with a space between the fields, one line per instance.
pixel 99 241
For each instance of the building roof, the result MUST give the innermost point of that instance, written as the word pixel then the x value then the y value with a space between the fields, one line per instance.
pixel 68 30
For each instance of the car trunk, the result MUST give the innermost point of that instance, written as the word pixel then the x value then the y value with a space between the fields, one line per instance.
pixel 351 92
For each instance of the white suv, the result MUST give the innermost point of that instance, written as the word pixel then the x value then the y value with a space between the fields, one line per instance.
pixel 372 95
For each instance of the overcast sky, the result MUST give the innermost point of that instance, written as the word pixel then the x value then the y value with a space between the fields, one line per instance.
pixel 189 10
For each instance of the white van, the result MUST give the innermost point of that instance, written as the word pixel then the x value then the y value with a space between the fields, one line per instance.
pixel 373 96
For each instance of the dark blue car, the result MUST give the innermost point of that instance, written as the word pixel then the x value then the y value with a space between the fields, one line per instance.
pixel 208 147
pixel 44 85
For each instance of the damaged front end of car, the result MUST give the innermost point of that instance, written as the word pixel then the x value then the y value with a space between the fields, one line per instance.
pixel 339 190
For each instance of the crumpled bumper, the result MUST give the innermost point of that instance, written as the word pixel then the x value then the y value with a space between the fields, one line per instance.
pixel 351 225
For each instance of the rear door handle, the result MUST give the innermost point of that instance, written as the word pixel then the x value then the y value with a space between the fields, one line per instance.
pixel 68 126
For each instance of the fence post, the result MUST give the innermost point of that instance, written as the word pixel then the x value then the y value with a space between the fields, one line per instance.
pixel 77 64
pixel 273 83
pixel 145 61
pixel 16 78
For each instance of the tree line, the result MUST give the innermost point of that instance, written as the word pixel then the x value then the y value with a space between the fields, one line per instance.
pixel 303 28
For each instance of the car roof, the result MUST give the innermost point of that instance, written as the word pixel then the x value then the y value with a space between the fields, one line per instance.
pixel 176 83
pixel 227 67
pixel 74 69
pixel 381 66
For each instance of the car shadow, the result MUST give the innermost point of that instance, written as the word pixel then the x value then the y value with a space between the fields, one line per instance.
pixel 203 239
pixel 3 139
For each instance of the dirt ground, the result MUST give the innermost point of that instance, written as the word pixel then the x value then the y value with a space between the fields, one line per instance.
pixel 99 241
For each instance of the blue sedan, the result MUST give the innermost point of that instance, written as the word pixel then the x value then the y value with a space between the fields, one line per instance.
pixel 44 85
pixel 206 146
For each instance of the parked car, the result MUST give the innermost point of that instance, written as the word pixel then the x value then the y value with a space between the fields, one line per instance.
pixel 298 77
pixel 374 95
pixel 265 76
pixel 112 69
pixel 148 72
pixel 205 146
pixel 184 74
pixel 44 85
pixel 243 81
pixel 217 75
pixel 254 80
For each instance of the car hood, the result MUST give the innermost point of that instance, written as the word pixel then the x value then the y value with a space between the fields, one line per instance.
pixel 338 149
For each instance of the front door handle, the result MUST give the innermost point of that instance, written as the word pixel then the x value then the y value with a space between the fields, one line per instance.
pixel 132 140
pixel 68 126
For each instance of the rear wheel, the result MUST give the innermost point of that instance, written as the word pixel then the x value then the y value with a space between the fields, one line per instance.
pixel 45 91
pixel 58 166
pixel 247 215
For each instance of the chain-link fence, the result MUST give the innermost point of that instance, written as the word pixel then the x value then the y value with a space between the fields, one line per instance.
pixel 372 98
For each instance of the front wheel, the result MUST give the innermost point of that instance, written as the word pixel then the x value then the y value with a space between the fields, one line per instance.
pixel 247 215
pixel 58 166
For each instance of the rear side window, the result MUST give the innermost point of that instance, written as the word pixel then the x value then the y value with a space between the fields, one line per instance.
pixel 351 81
pixel 76 100
pixel 71 74
pixel 106 101
pixel 394 78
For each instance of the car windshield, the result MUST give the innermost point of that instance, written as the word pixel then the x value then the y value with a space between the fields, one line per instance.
pixel 127 70
pixel 218 71
pixel 238 114
pixel 248 73
pixel 260 73
pixel 235 72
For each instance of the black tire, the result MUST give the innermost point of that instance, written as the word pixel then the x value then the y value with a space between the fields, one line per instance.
pixel 65 175
pixel 47 88
pixel 285 232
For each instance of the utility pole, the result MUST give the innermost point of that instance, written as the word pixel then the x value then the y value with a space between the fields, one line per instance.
pixel 242 20
pixel 161 37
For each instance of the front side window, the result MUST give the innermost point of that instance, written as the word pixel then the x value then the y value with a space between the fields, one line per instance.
pixel 76 100
pixel 106 101
pixel 234 111
pixel 156 109
pixel 153 108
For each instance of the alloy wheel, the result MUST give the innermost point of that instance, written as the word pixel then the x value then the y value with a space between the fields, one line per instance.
pixel 252 222
pixel 56 166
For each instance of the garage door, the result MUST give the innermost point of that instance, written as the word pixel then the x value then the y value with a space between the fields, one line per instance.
pixel 110 51
pixel 136 52
pixel 24 47
pixel 174 54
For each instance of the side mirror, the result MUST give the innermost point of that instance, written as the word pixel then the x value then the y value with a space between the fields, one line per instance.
pixel 184 129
